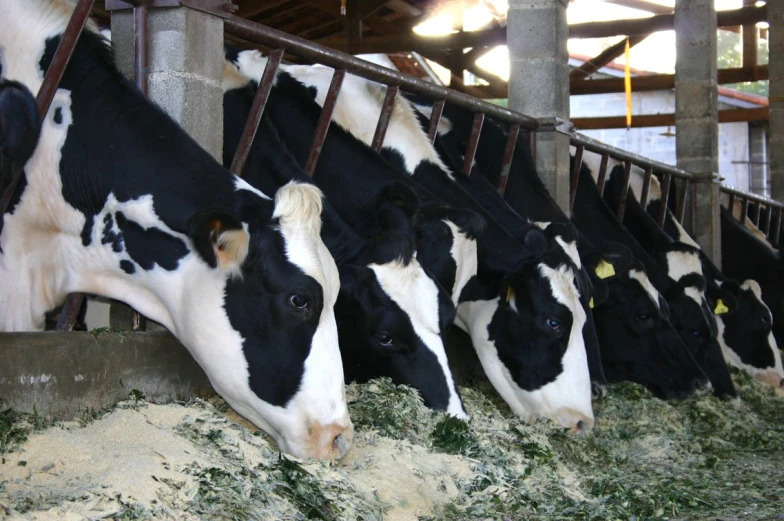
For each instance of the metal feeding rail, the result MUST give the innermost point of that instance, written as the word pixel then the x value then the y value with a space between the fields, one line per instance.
pixel 280 43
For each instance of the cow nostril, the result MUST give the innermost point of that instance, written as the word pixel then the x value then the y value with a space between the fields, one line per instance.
pixel 341 446
pixel 781 383
pixel 598 391
pixel 581 426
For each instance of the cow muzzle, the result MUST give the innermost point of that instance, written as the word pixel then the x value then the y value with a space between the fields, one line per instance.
pixel 330 441
pixel 576 422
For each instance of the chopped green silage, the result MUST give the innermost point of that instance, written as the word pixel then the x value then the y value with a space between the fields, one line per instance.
pixel 698 459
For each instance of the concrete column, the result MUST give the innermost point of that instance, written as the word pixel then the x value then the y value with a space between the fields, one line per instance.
pixel 776 96
pixel 696 115
pixel 537 33
pixel 185 76
pixel 185 68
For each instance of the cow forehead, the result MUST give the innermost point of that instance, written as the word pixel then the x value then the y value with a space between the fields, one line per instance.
pixel 682 263
pixel 561 281
pixel 412 290
pixel 645 282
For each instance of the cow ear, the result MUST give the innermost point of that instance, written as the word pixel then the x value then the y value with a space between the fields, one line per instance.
pixel 400 195
pixel 720 300
pixel 599 294
pixel 729 285
pixel 535 241
pixel 221 239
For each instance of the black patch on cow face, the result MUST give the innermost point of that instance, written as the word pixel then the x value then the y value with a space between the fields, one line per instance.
pixel 128 266
pixel 640 345
pixel 384 342
pixel 746 331
pixel 541 320
pixel 277 333
pixel 166 252
pixel 58 116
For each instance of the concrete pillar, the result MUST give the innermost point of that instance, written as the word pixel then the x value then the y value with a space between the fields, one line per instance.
pixel 696 115
pixel 185 76
pixel 537 33
pixel 776 97
pixel 759 182
pixel 185 68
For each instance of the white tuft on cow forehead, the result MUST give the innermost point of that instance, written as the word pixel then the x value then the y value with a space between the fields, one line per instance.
pixel 571 250
pixel 562 284
pixel 645 282
pixel 682 263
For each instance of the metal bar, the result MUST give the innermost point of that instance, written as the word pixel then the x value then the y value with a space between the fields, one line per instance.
pixel 532 139
pixel 70 312
pixel 682 194
pixel 646 187
pixel 256 111
pixel 777 227
pixel 260 34
pixel 752 197
pixel 577 163
pixel 627 175
pixel 506 165
pixel 744 210
pixel 383 118
pixel 598 147
pixel 665 198
pixel 769 217
pixel 731 205
pixel 324 119
pixel 141 55
pixel 473 142
pixel 435 119
pixel 602 173
pixel 756 213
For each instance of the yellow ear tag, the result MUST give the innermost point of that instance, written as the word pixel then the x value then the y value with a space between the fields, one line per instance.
pixel 604 270
pixel 720 308
pixel 590 303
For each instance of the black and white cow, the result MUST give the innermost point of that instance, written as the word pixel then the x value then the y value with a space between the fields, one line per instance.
pixel 19 129
pixel 119 201
pixel 621 295
pixel 522 310
pixel 598 224
pixel 745 257
pixel 383 332
pixel 691 299
pixel 745 333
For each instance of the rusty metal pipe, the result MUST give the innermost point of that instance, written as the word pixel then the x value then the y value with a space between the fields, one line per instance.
pixel 627 171
pixel 665 198
pixel 324 120
pixel 473 142
pixel 646 187
pixel 383 118
pixel 602 173
pixel 574 173
pixel 256 112
pixel 435 119
pixel 506 165
pixel 682 194
pixel 141 54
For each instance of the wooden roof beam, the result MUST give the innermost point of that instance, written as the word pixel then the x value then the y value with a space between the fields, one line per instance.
pixel 666 120
pixel 605 57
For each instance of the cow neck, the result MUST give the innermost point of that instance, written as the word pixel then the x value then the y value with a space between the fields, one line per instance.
pixel 121 144
pixel 598 224
pixel 271 165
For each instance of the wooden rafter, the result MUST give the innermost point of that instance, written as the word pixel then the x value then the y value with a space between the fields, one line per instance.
pixel 664 120
pixel 605 57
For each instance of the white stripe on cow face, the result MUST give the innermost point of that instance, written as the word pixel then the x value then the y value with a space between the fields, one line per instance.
pixel 464 255
pixel 417 295
pixel 645 282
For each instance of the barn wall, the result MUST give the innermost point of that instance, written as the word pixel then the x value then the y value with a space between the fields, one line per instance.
pixel 733 137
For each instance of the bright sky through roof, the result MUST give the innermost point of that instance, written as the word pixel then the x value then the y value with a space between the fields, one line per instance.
pixel 656 53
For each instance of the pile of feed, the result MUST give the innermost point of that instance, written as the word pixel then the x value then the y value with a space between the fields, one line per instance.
pixel 701 458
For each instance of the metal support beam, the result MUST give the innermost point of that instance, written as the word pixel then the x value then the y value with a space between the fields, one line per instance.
pixel 539 61
pixel 696 116
pixel 776 97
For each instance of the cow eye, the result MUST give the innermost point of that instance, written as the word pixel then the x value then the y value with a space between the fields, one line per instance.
pixel 695 333
pixel 299 301
pixel 764 321
pixel 554 324
pixel 643 316
pixel 384 339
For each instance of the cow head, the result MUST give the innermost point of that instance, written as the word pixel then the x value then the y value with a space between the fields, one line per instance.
pixel 637 340
pixel 693 318
pixel 119 201
pixel 529 336
pixel 746 334
pixel 405 314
